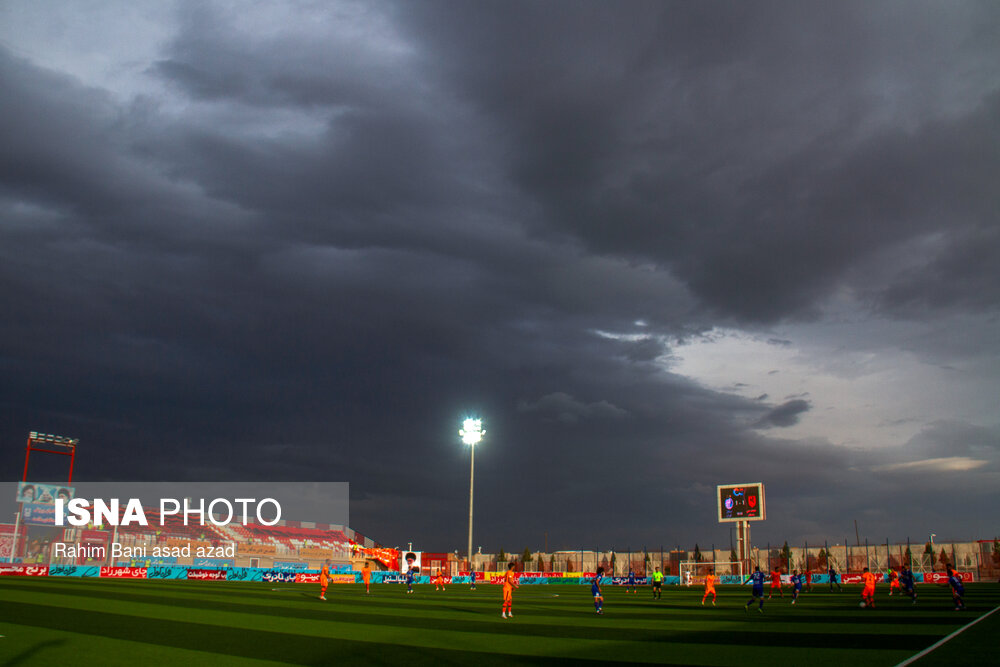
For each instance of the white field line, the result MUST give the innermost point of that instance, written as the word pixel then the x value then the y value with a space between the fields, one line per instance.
pixel 946 639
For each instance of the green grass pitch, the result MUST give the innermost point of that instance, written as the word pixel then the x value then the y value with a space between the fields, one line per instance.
pixel 118 622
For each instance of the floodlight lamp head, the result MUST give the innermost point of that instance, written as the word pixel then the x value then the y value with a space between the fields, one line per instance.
pixel 472 431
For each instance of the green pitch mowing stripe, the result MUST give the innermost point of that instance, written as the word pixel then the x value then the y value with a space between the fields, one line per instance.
pixel 690 632
pixel 173 622
pixel 972 644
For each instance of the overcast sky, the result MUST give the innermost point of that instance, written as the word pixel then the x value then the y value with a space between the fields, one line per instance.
pixel 656 246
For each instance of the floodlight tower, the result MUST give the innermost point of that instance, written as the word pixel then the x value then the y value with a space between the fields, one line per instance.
pixel 68 446
pixel 472 433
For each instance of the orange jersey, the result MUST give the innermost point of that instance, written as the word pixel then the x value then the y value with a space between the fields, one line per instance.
pixel 710 582
pixel 324 575
pixel 775 579
pixel 869 580
pixel 509 581
pixel 366 575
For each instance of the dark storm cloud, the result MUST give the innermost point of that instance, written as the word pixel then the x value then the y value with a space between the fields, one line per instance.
pixel 749 149
pixel 565 408
pixel 786 414
pixel 317 249
pixel 963 275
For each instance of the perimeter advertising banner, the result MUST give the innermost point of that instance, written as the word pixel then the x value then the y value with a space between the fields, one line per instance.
pixel 166 572
pixel 24 570
pixel 74 571
pixel 206 575
pixel 857 578
pixel 313 578
pixel 244 574
pixel 942 577
pixel 123 572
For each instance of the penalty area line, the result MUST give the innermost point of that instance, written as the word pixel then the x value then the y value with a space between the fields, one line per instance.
pixel 946 639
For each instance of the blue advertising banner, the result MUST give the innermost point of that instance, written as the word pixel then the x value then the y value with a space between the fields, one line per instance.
pixel 74 570
pixel 388 578
pixel 623 581
pixel 290 565
pixel 38 514
pixel 245 574
pixel 213 562
pixel 166 572
pixel 278 576
pixel 522 580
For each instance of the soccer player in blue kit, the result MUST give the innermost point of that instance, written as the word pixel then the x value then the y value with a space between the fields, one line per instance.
pixel 797 580
pixel 410 573
pixel 957 588
pixel 834 581
pixel 631 582
pixel 906 580
pixel 595 589
pixel 758 589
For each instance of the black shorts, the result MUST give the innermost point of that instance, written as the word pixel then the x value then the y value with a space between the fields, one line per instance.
pixel 657 584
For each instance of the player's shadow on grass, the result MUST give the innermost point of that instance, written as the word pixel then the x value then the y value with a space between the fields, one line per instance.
pixel 29 655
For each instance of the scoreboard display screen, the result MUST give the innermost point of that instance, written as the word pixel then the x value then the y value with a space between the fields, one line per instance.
pixel 741 502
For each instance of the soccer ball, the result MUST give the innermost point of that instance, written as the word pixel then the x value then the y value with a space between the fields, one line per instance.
pixel 861 604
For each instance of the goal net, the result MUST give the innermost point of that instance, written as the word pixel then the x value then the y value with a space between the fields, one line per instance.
pixel 693 572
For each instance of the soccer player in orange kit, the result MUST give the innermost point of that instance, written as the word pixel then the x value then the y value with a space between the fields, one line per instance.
pixel 710 579
pixel 366 576
pixel 775 583
pixel 324 579
pixel 868 592
pixel 509 584
pixel 893 581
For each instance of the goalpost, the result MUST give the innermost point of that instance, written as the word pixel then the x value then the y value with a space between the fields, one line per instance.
pixel 689 569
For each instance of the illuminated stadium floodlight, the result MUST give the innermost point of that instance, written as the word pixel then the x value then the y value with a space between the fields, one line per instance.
pixel 53 439
pixel 472 433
